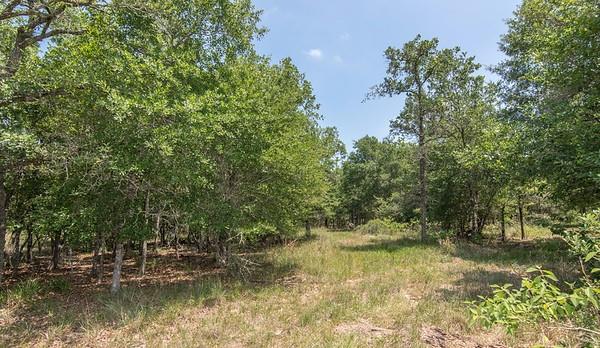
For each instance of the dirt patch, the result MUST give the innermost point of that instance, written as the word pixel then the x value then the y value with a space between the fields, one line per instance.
pixel 436 337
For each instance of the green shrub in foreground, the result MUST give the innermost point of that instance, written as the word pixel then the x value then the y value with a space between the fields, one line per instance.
pixel 542 299
pixel 537 299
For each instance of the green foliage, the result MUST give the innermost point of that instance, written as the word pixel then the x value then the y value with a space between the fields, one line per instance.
pixel 159 111
pixel 584 242
pixel 258 234
pixel 538 298
pixel 551 89
pixel 377 180
pixel 382 227
pixel 544 297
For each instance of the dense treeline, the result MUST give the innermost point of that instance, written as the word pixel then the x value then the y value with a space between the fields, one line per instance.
pixel 465 152
pixel 124 122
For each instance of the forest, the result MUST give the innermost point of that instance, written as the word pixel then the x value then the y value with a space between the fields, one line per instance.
pixel 164 184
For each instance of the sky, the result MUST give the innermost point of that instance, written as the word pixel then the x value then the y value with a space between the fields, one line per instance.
pixel 339 45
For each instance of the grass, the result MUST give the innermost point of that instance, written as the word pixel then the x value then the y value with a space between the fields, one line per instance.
pixel 341 289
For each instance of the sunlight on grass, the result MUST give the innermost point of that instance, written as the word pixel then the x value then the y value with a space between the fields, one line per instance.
pixel 319 293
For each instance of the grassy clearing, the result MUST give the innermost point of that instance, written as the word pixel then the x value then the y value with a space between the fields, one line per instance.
pixel 341 289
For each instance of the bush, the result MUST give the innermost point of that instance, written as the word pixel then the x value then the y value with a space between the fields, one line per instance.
pixel 381 227
pixel 537 299
pixel 258 235
pixel 542 298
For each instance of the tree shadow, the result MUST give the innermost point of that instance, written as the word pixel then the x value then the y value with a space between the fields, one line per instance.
pixel 389 245
pixel 477 283
pixel 538 251
pixel 508 262
pixel 186 280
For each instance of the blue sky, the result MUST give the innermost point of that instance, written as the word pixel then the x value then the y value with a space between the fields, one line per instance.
pixel 339 45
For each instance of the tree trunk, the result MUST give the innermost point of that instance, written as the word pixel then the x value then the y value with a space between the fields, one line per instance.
pixel 3 204
pixel 422 180
pixel 116 278
pixel 70 259
pixel 307 228
pixel 144 251
pixel 14 59
pixel 29 245
pixel 502 225
pixel 521 219
pixel 16 257
pixel 56 251
pixel 223 252
pixel 96 257
pixel 101 260
pixel 176 241
pixel 156 231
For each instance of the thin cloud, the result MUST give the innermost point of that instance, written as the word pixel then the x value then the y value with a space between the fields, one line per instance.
pixel 315 54
pixel 338 59
pixel 345 37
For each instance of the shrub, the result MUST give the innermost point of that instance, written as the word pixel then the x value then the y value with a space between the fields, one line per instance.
pixel 538 298
pixel 257 235
pixel 542 299
pixel 381 227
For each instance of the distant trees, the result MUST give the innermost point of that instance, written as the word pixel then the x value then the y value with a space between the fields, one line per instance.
pixel 484 148
pixel 378 180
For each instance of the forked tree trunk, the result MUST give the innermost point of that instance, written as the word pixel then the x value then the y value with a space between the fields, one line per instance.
pixel 116 278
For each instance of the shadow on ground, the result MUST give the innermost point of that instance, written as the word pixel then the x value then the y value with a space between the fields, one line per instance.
pixel 389 245
pixel 501 263
pixel 71 301
pixel 477 283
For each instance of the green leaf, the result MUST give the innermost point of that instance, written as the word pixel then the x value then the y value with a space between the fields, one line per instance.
pixel 590 256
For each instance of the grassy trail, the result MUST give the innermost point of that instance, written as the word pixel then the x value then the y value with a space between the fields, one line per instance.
pixel 342 289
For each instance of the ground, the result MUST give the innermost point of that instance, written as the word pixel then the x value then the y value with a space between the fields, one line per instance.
pixel 339 289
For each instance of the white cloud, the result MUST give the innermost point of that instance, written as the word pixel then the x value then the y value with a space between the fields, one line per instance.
pixel 315 54
pixel 338 59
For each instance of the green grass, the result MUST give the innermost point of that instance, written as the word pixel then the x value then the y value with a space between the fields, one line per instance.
pixel 320 293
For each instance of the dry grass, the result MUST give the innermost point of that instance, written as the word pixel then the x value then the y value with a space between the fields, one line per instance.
pixel 342 289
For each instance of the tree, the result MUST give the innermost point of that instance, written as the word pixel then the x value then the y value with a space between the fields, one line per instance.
pixel 551 90
pixel 423 73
